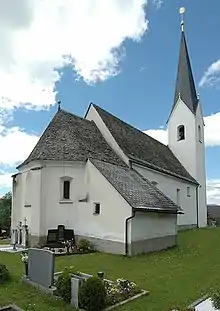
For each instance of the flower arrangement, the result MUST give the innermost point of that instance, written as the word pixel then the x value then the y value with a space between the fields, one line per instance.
pixel 120 290
pixel 24 257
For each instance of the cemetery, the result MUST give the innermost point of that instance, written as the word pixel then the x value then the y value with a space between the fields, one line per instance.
pixel 38 279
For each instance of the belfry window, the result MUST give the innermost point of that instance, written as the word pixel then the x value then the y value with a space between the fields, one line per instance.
pixel 181 132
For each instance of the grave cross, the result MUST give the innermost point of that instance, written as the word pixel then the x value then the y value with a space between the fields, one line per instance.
pixel 25 221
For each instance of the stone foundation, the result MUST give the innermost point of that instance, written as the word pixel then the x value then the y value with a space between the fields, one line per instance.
pixel 105 246
pixel 116 247
pixel 186 227
pixel 35 240
pixel 152 245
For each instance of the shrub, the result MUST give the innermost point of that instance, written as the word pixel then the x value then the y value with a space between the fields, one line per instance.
pixel 92 295
pixel 84 245
pixel 4 274
pixel 215 297
pixel 63 285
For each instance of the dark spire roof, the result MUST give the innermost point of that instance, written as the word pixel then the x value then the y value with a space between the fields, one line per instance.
pixel 185 86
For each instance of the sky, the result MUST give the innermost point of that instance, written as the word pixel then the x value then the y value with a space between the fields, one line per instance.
pixel 119 54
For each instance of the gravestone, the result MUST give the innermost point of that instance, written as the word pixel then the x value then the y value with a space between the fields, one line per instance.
pixel 61 232
pixel 41 266
pixel 76 282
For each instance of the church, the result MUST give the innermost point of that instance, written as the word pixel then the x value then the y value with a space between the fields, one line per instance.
pixel 113 184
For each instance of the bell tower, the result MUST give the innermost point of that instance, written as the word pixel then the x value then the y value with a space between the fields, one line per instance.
pixel 186 126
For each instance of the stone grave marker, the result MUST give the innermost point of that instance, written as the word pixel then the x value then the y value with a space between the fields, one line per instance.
pixel 41 267
pixel 76 282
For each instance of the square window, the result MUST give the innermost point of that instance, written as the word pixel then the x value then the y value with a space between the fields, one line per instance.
pixel 96 208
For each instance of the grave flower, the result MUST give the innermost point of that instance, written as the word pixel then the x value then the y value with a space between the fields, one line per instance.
pixel 24 259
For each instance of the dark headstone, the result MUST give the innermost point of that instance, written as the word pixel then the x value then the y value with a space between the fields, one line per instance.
pixel 61 232
pixel 69 235
pixel 52 236
pixel 41 266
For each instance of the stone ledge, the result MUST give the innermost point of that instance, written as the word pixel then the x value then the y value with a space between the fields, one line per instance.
pixel 11 308
pixel 143 293
pixel 51 290
pixel 198 301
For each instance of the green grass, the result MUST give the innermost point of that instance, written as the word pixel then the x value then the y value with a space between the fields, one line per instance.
pixel 176 277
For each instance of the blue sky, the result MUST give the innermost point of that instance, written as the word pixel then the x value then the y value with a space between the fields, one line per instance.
pixel 139 90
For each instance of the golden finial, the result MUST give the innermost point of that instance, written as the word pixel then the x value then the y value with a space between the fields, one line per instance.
pixel 182 10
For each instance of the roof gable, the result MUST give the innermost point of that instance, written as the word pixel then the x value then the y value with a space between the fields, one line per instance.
pixel 71 138
pixel 143 149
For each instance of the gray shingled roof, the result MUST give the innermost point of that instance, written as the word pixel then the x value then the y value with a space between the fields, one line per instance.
pixel 185 85
pixel 143 149
pixel 136 190
pixel 71 138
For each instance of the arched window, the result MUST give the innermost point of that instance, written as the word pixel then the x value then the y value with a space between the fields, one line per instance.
pixel 200 133
pixel 181 132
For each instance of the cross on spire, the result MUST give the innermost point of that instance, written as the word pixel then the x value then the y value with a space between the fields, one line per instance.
pixel 182 10
pixel 58 105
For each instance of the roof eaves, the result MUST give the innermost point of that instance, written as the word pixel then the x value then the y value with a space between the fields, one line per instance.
pixel 159 169
pixel 158 210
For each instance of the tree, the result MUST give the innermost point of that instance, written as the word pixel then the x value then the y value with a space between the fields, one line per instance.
pixel 5 212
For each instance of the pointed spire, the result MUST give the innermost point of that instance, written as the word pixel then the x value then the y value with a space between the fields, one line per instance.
pixel 185 86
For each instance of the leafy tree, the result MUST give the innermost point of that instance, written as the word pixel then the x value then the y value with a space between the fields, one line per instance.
pixel 5 212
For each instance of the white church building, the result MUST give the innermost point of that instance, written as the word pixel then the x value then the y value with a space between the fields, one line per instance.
pixel 113 184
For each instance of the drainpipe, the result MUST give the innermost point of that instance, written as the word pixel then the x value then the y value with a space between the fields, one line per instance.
pixel 126 231
pixel 197 204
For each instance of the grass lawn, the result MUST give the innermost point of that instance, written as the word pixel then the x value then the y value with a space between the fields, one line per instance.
pixel 175 277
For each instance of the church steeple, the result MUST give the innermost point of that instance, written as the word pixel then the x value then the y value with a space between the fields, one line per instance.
pixel 185 86
pixel 186 134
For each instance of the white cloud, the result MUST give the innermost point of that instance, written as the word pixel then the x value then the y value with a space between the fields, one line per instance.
pixel 212 130
pixel 211 76
pixel 159 134
pixel 39 37
pixel 158 3
pixel 15 145
pixel 213 191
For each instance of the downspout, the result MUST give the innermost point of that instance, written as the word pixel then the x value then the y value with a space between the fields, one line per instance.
pixel 197 204
pixel 126 231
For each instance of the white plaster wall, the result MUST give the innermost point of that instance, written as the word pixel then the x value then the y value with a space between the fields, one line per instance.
pixel 190 152
pixel 169 185
pixel 16 201
pixel 92 114
pixel 54 210
pixel 110 224
pixel 184 150
pixel 152 225
pixel 201 170
pixel 26 198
